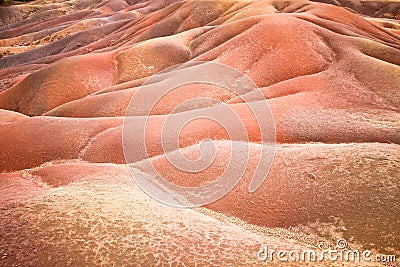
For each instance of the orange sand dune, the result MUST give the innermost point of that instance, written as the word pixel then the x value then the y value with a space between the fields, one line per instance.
pixel 104 218
pixel 325 88
pixel 306 184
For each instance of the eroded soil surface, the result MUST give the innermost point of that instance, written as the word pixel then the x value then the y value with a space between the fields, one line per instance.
pixel 328 70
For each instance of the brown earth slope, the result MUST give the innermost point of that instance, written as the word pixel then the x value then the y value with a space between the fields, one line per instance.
pixel 329 72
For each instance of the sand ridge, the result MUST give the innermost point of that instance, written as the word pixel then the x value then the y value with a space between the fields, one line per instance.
pixel 329 72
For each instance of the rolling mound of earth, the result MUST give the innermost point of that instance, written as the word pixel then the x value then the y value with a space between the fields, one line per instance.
pixel 329 72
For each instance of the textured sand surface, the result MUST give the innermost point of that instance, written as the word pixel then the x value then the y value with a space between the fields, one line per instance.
pixel 328 70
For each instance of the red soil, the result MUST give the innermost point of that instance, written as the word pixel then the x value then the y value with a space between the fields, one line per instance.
pixel 329 75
